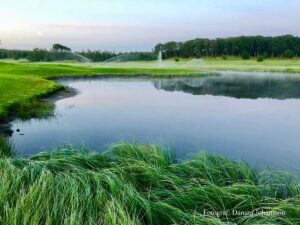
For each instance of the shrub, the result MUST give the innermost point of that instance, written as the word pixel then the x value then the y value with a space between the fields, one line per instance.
pixel 176 60
pixel 16 57
pixel 288 54
pixel 260 59
pixel 245 55
pixel 224 57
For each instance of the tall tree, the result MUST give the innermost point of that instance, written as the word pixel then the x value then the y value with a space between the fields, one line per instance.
pixel 59 47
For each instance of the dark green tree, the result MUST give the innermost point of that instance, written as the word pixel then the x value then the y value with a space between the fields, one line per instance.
pixel 260 59
pixel 289 54
pixel 37 55
pixel 60 48
pixel 245 55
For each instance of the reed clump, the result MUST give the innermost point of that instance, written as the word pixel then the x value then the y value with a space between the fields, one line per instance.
pixel 6 147
pixel 141 184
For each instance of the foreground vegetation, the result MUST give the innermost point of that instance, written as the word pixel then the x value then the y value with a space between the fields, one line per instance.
pixel 140 184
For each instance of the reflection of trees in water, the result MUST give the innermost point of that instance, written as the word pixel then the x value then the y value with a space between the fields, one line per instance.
pixel 235 86
pixel 6 130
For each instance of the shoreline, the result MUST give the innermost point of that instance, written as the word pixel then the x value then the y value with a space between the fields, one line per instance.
pixel 10 113
pixel 61 91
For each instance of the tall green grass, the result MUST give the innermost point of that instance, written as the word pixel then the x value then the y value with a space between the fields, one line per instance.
pixel 140 184
pixel 6 147
pixel 34 108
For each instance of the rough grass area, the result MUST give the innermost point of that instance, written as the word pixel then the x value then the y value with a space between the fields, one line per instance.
pixel 141 184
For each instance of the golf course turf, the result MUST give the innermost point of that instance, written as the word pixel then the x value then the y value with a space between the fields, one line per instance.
pixel 22 83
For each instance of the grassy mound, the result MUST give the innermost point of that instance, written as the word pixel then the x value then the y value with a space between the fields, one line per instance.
pixel 139 184
pixel 18 94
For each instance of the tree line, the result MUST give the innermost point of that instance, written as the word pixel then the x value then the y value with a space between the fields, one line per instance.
pixel 13 54
pixel 254 46
pixel 287 46
pixel 59 54
pixel 101 56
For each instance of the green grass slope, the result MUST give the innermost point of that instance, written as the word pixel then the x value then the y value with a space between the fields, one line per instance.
pixel 21 83
pixel 18 90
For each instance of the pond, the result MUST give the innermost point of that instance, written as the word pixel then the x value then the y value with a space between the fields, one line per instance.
pixel 249 116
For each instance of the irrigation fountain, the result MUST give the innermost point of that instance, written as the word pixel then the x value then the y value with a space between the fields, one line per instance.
pixel 68 56
pixel 159 58
pixel 81 58
pixel 122 58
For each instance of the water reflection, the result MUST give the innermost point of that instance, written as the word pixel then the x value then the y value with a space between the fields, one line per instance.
pixel 252 117
pixel 251 86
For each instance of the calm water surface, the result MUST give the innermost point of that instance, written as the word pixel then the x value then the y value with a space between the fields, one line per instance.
pixel 250 116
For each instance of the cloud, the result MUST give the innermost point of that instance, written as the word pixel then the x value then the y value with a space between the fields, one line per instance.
pixel 96 26
pixel 12 22
pixel 40 34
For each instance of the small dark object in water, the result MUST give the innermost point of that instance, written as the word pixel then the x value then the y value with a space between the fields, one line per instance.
pixel 18 130
pixel 22 134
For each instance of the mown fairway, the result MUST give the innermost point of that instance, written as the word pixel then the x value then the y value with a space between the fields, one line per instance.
pixel 273 65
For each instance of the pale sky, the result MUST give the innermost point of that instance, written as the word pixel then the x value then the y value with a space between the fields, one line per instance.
pixel 127 25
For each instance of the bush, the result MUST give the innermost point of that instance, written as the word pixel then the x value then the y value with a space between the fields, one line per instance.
pixel 245 55
pixel 176 60
pixel 224 57
pixel 260 59
pixel 16 57
pixel 288 54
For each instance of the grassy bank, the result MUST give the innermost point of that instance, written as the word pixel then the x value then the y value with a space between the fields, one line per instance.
pixel 23 83
pixel 138 184
pixel 17 92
